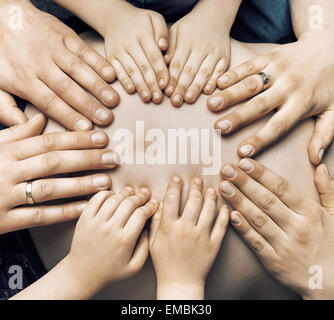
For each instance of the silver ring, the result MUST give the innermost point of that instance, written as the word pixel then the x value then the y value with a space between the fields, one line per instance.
pixel 29 197
pixel 265 77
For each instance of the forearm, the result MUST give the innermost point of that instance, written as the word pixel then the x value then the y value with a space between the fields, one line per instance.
pixel 309 16
pixel 220 11
pixel 180 291
pixel 58 284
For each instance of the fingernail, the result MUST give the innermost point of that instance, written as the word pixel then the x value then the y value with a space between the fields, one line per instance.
pixel 225 125
pixel 144 190
pixel 211 191
pixel 247 150
pixel 229 172
pixel 129 189
pixel 107 96
pixel 321 154
pixel 156 95
pixel 226 188
pixel 154 201
pixel 235 219
pixel 215 102
pixel 81 207
pixel 99 138
pixel 176 179
pixel 190 95
pixel 326 170
pixel 170 90
pixel 163 43
pixel 101 181
pixel 101 114
pixel 129 86
pixel 110 158
pixel 197 180
pixel 145 94
pixel 161 83
pixel 177 98
pixel 83 125
pixel 107 71
pixel 223 79
pixel 208 88
pixel 246 165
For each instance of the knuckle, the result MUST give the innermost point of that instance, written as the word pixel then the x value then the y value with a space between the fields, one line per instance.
pixel 251 84
pixel 89 158
pixel 267 201
pixel 83 51
pixel 74 66
pixel 257 244
pixel 154 57
pixel 79 186
pixel 131 70
pixel 205 73
pixel 303 233
pixel 281 187
pixel 279 127
pixel 145 68
pixel 38 217
pixel 259 220
pixel 45 191
pixel 51 161
pixel 248 67
pixel 47 101
pixel 48 142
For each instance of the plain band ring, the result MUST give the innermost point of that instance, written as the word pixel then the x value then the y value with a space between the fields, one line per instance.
pixel 265 77
pixel 29 197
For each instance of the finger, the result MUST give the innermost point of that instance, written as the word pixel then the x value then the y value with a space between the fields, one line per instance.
pixel 138 219
pixel 186 77
pixel 147 72
pixel 292 198
pixel 171 46
pixel 155 223
pixel 201 78
pixel 325 186
pixel 263 198
pixel 129 205
pixel 220 226
pixel 58 141
pixel 218 71
pixel 322 137
pixel 209 210
pixel 53 189
pixel 175 68
pixel 109 207
pixel 10 114
pixel 58 162
pixel 29 129
pixel 101 66
pixel 156 59
pixel 249 112
pixel 259 220
pixel 50 104
pixel 243 71
pixel 28 217
pixel 262 248
pixel 140 253
pixel 136 76
pixel 172 199
pixel 123 78
pixel 95 203
pixel 242 90
pixel 84 75
pixel 194 202
pixel 278 125
pixel 160 31
pixel 78 98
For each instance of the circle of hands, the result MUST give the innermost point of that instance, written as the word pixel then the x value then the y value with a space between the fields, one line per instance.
pixel 54 69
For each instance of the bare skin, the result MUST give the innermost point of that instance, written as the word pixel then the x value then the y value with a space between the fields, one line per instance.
pixel 228 278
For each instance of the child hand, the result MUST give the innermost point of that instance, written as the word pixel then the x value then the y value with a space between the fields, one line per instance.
pixel 134 39
pixel 184 248
pixel 198 53
pixel 289 232
pixel 109 243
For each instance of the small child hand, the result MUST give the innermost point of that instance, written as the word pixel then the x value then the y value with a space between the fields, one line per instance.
pixel 184 248
pixel 109 243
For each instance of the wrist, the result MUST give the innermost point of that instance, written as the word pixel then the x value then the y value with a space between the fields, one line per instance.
pixel 180 290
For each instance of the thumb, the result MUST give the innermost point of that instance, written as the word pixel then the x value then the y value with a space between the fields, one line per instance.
pixel 155 223
pixel 10 114
pixel 160 31
pixel 322 136
pixel 325 186
pixel 29 129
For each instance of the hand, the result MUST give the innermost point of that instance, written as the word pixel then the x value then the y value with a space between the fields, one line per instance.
pixel 184 248
pixel 10 114
pixel 299 87
pixel 109 243
pixel 25 157
pixel 46 63
pixel 134 39
pixel 290 233
pixel 199 52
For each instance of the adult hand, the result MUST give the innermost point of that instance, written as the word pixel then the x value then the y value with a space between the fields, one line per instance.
pixel 183 248
pixel 26 157
pixel 299 87
pixel 134 39
pixel 289 232
pixel 199 52
pixel 46 63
